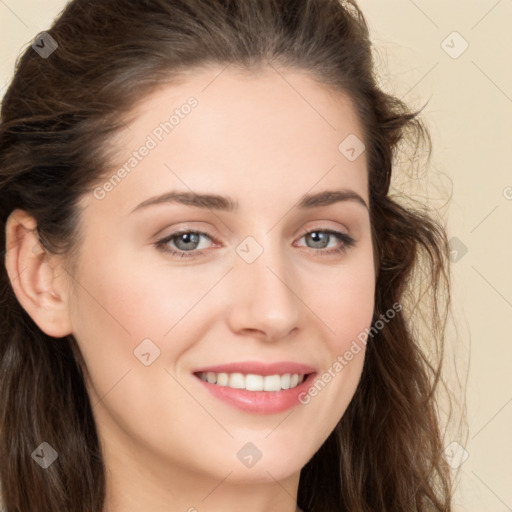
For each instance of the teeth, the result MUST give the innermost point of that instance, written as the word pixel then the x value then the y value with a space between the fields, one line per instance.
pixel 252 382
pixel 285 381
pixel 272 383
pixel 222 379
pixel 237 381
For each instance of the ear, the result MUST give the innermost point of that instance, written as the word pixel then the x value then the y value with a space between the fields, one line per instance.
pixel 33 276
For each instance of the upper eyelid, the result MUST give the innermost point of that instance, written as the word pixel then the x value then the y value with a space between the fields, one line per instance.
pixel 318 225
pixel 180 231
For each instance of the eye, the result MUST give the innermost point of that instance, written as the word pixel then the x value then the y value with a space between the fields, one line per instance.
pixel 325 238
pixel 184 241
pixel 187 243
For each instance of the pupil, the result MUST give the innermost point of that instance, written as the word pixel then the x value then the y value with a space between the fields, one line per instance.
pixel 187 239
pixel 319 239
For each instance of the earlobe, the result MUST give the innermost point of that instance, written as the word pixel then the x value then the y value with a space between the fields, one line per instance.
pixel 33 277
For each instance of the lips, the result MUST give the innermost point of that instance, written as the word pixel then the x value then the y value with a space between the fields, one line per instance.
pixel 259 368
pixel 256 387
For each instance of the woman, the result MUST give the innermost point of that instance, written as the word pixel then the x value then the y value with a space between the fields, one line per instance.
pixel 207 286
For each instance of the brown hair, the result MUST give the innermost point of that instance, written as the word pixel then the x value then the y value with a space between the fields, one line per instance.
pixel 57 116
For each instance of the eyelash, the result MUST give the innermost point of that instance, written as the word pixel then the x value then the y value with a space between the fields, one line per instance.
pixel 161 244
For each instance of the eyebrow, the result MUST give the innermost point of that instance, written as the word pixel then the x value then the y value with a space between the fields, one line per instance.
pixel 225 203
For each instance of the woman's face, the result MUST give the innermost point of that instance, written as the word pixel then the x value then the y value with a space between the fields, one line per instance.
pixel 222 276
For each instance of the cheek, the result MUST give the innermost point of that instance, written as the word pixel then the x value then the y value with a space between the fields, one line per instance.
pixel 123 304
pixel 125 300
pixel 344 305
pixel 343 300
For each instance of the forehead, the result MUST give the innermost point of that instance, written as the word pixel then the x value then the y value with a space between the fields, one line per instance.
pixel 272 131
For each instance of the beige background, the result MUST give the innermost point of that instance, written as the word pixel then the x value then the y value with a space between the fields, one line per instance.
pixel 470 117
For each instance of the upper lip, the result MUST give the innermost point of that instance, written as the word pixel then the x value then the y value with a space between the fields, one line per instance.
pixel 259 368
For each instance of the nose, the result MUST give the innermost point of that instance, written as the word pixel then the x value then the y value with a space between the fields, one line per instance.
pixel 264 300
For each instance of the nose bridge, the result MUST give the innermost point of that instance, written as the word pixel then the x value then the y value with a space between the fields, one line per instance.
pixel 265 299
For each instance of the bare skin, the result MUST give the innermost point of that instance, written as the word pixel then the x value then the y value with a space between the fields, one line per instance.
pixel 169 445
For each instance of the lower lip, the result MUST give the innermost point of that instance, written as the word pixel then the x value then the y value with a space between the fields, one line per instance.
pixel 259 402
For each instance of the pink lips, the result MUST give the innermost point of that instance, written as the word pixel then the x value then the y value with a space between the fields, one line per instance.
pixel 259 402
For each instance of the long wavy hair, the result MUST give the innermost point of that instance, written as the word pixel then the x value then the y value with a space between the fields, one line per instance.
pixel 57 117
